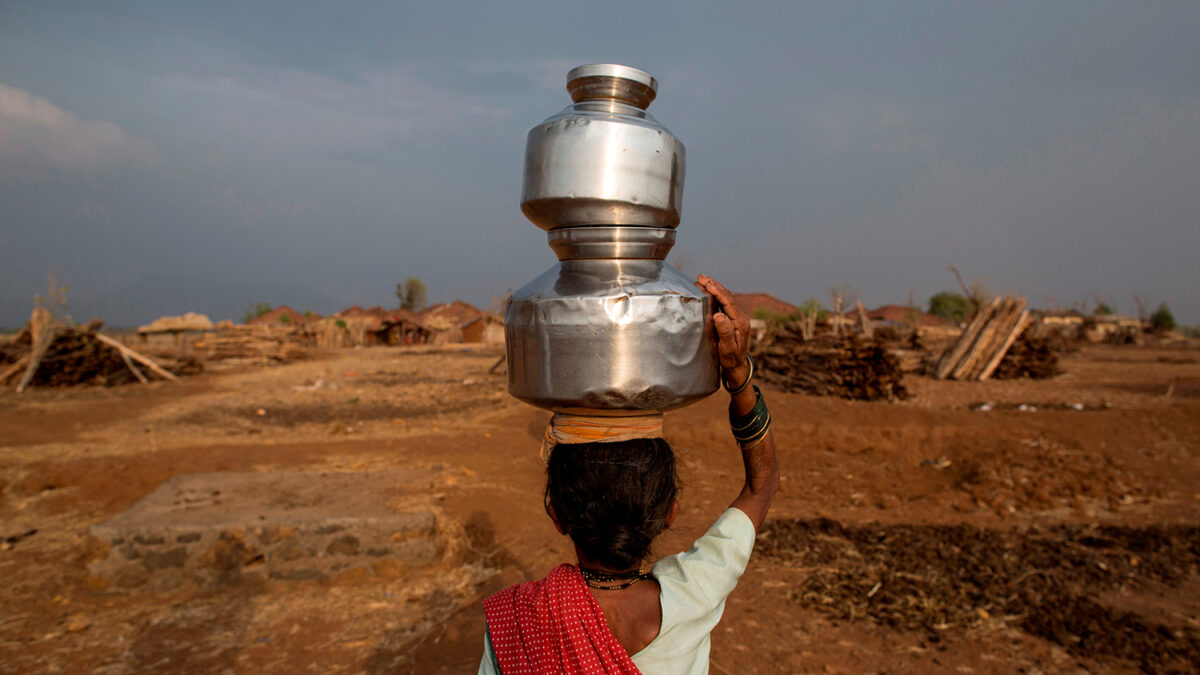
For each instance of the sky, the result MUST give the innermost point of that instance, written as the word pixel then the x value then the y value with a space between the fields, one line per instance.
pixel 158 158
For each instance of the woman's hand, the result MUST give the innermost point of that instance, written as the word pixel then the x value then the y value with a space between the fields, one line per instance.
pixel 733 330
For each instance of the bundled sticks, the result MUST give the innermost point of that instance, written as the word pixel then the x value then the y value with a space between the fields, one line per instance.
pixel 847 367
pixel 258 344
pixel 53 354
pixel 985 341
pixel 1032 357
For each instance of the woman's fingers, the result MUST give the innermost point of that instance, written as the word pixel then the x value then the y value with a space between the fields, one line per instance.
pixel 725 297
pixel 729 347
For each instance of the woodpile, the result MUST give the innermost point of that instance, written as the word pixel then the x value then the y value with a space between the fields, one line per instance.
pixel 1030 356
pixel 49 354
pixel 987 338
pixel 254 344
pixel 847 367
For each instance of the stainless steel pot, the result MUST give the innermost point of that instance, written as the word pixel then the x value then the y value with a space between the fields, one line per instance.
pixel 604 159
pixel 612 328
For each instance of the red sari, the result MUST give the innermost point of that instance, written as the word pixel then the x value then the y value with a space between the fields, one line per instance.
pixel 553 626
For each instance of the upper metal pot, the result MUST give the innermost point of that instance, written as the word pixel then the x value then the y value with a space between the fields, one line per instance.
pixel 604 160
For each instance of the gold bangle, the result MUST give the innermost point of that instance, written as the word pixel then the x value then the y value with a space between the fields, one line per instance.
pixel 749 376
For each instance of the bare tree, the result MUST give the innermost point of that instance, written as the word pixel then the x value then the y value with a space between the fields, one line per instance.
pixel 842 295
pixel 977 292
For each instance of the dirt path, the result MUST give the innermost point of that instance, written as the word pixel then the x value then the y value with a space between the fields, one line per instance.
pixel 947 485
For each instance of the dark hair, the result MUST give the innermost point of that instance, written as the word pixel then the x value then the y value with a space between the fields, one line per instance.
pixel 612 498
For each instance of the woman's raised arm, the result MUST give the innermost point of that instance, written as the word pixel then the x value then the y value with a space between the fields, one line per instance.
pixel 748 414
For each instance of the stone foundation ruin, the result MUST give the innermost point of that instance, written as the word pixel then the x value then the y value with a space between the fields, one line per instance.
pixel 215 528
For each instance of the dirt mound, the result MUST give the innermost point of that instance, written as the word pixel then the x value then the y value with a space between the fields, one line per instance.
pixel 1040 474
pixel 1046 581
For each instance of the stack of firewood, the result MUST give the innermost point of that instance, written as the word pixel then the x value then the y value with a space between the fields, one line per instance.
pixel 1030 356
pixel 847 367
pixel 48 353
pixel 985 341
pixel 257 344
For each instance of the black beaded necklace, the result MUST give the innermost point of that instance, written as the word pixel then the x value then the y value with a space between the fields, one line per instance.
pixel 599 579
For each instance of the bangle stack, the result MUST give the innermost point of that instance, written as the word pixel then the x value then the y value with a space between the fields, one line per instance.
pixel 750 428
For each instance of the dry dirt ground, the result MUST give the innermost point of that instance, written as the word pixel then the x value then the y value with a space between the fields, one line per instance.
pixel 1055 530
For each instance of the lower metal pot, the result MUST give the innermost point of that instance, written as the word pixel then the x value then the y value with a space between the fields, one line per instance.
pixel 607 336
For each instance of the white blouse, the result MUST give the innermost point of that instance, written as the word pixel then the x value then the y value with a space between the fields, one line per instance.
pixel 694 585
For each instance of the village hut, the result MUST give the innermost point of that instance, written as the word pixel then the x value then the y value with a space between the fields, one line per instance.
pixel 402 327
pixel 487 329
pixel 177 324
pixel 1067 323
pixel 351 327
pixel 1113 328
pixel 447 320
pixel 280 315
pixel 761 307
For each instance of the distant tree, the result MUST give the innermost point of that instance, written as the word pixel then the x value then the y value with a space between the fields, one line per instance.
pixel 951 306
pixel 284 318
pixel 1162 320
pixel 411 294
pixel 1103 309
pixel 255 310
pixel 812 307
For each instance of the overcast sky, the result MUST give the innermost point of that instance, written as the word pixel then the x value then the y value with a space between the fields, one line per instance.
pixel 166 157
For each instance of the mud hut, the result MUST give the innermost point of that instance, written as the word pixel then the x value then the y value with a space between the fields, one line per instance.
pixel 402 327
pixel 487 329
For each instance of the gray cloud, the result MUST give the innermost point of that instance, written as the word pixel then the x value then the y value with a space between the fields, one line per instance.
pixel 37 136
pixel 316 154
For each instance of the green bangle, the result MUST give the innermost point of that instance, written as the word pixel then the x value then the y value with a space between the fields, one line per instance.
pixel 749 376
pixel 749 428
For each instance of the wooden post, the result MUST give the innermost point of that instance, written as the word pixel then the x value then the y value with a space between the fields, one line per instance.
pixel 863 322
pixel 126 351
pixel 41 332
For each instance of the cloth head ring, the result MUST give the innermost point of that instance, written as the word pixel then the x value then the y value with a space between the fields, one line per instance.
pixel 567 429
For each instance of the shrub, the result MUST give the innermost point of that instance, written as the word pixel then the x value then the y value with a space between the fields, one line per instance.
pixel 1162 320
pixel 951 306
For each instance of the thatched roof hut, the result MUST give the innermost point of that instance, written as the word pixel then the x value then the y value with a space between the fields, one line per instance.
pixel 177 324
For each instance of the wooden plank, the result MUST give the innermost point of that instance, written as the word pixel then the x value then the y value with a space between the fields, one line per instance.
pixel 144 360
pixel 134 369
pixel 960 369
pixel 1022 323
pixel 951 359
pixel 1000 338
pixel 991 339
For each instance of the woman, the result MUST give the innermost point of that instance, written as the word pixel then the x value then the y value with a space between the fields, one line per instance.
pixel 606 615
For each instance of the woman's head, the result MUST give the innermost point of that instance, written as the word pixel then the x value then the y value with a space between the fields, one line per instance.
pixel 612 499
